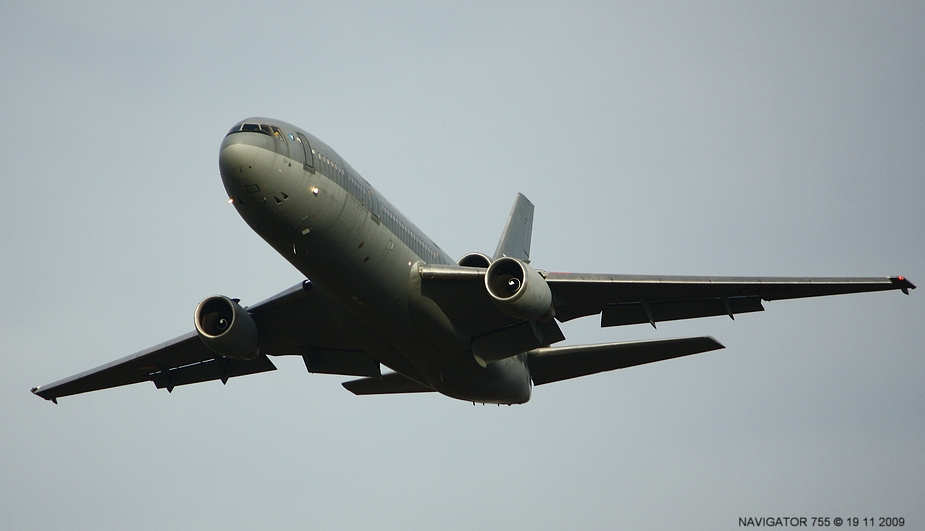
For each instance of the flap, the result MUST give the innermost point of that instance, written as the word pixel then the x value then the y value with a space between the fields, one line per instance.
pixel 625 313
pixel 344 362
pixel 214 369
pixel 515 339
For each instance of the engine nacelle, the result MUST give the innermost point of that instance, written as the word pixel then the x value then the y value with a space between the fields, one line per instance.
pixel 519 290
pixel 226 328
pixel 474 260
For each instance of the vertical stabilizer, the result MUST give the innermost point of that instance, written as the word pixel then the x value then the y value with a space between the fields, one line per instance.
pixel 515 240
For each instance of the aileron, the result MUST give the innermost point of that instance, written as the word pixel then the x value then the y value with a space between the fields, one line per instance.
pixel 184 350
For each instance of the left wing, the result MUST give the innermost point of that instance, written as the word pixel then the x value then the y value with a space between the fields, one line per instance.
pixel 180 361
pixel 292 322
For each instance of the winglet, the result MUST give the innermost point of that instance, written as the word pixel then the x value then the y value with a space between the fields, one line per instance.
pixel 53 399
pixel 903 284
pixel 515 240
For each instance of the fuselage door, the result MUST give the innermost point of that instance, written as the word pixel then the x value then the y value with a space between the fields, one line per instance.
pixel 373 205
pixel 309 160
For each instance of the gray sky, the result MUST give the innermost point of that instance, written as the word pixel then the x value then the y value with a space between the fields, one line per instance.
pixel 726 139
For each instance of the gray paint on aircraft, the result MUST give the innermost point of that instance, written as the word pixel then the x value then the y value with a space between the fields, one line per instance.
pixel 384 293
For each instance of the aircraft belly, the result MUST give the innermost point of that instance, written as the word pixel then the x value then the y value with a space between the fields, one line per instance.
pixel 502 382
pixel 365 282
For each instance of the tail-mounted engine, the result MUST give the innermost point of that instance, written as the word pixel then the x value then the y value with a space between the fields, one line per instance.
pixel 226 328
pixel 474 260
pixel 519 290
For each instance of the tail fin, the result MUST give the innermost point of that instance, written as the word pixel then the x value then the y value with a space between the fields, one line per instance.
pixel 515 240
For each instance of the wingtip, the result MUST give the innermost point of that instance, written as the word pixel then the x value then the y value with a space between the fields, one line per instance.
pixel 35 391
pixel 902 283
pixel 716 344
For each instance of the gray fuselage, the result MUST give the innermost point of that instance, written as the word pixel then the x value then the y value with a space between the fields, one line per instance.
pixel 362 254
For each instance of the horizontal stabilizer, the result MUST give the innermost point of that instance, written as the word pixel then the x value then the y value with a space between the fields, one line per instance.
pixel 552 364
pixel 390 383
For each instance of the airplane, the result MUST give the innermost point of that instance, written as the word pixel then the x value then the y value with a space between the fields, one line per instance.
pixel 378 292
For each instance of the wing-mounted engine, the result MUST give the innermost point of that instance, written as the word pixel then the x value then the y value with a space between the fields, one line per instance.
pixel 519 290
pixel 226 328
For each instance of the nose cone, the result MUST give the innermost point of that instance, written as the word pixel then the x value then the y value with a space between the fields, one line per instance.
pixel 236 161
pixel 249 165
pixel 254 176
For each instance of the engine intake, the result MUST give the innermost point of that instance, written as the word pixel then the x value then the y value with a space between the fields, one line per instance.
pixel 474 260
pixel 226 328
pixel 519 290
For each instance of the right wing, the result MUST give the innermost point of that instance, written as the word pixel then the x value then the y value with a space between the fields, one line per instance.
pixel 292 322
pixel 634 299
pixel 620 300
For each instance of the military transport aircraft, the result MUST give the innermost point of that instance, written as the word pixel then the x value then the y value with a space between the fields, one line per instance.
pixel 380 292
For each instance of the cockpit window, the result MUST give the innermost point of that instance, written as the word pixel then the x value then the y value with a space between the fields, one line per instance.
pixel 271 130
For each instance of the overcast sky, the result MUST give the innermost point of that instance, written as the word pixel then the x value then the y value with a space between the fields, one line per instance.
pixel 745 138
